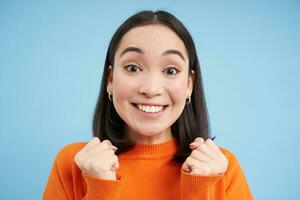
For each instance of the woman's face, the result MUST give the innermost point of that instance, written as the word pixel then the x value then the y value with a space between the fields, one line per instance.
pixel 150 80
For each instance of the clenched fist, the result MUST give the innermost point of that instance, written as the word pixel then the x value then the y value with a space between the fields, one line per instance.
pixel 98 159
pixel 205 159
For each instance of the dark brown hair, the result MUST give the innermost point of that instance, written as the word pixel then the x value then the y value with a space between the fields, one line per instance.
pixel 193 121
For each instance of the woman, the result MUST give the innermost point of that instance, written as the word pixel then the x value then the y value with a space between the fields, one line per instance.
pixel 151 130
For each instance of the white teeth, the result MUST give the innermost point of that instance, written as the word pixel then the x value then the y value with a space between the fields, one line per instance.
pixel 150 109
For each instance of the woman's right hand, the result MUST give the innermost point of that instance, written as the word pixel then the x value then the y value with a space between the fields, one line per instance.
pixel 98 159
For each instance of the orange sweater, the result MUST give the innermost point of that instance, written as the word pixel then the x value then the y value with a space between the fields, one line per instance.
pixel 146 172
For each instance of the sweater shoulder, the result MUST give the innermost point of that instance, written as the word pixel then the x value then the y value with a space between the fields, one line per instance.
pixel 233 162
pixel 229 155
pixel 67 152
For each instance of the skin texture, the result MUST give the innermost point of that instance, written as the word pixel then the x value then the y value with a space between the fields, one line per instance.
pixel 98 159
pixel 150 78
pixel 205 159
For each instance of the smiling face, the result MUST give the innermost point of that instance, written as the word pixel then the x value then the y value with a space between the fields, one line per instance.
pixel 150 82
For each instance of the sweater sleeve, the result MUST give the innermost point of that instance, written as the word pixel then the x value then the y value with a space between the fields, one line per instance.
pixel 236 185
pixel 63 180
pixel 102 189
pixel 230 185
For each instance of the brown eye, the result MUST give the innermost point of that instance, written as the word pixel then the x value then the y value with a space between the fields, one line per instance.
pixel 132 68
pixel 172 71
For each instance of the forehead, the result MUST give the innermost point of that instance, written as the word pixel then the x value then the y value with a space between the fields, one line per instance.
pixel 152 39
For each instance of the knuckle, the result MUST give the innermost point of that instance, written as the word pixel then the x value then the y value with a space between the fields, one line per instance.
pixel 115 157
pixel 224 168
pixel 193 153
pixel 200 147
pixel 107 142
pixel 104 145
pixel 226 162
pixel 96 139
pixel 219 168
pixel 110 152
pixel 208 141
pixel 78 158
pixel 199 139
pixel 188 160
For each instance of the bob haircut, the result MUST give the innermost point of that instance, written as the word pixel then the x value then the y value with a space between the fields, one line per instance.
pixel 193 121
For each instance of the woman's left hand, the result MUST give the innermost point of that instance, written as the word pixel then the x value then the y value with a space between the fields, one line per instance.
pixel 205 159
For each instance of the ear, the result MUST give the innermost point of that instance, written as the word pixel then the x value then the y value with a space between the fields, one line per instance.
pixel 191 80
pixel 109 78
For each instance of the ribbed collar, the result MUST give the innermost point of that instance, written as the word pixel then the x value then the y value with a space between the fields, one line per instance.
pixel 152 151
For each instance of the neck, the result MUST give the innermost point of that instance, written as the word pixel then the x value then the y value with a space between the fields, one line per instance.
pixel 156 138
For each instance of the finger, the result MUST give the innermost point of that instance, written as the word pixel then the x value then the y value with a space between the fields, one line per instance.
pixel 201 156
pixel 107 157
pixel 109 145
pixel 189 163
pixel 199 140
pixel 216 165
pixel 207 151
pixel 196 143
pixel 113 148
pixel 91 144
pixel 203 168
pixel 196 172
pixel 116 164
pixel 113 162
pixel 106 142
pixel 103 151
pixel 215 148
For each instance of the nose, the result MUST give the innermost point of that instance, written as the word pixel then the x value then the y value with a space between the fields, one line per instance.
pixel 151 86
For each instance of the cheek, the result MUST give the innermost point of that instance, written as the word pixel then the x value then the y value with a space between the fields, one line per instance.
pixel 178 91
pixel 120 89
pixel 124 89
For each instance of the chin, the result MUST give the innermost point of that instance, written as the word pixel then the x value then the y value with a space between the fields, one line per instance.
pixel 150 131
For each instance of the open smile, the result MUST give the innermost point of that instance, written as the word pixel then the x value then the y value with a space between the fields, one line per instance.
pixel 150 109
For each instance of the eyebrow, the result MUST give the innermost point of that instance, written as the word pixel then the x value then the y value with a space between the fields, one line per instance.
pixel 140 51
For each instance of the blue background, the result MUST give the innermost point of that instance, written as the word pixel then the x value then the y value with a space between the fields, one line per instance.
pixel 52 55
